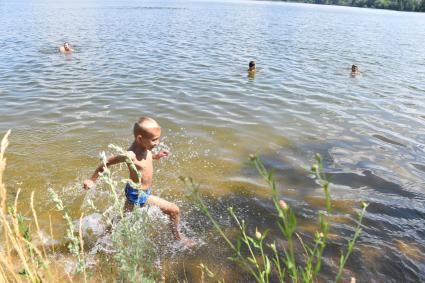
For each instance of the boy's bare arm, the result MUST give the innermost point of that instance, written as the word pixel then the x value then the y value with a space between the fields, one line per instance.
pixel 111 160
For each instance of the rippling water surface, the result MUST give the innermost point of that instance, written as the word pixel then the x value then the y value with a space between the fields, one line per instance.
pixel 184 63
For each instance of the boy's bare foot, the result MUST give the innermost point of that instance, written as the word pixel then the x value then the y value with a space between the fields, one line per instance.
pixel 188 243
pixel 88 184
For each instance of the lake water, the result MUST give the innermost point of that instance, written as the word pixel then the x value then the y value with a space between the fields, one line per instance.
pixel 184 63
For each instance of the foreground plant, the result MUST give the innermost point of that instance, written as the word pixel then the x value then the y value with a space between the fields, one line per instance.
pixel 22 261
pixel 132 251
pixel 76 244
pixel 250 251
pixel 130 234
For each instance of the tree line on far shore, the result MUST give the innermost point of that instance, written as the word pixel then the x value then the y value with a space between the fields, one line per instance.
pixel 399 5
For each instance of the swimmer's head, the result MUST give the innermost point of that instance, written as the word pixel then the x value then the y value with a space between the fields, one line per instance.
pixel 354 68
pixel 251 66
pixel 66 46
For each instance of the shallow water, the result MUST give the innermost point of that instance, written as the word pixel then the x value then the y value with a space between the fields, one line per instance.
pixel 184 63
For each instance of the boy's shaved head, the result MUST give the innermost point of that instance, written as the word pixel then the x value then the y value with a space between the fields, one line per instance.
pixel 143 125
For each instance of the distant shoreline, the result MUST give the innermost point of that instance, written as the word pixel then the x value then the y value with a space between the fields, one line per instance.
pixel 395 5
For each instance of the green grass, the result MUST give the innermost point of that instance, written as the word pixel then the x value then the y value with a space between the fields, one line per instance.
pixel 264 259
pixel 133 259
pixel 134 256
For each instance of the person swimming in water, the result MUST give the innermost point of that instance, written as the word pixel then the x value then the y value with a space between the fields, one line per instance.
pixel 354 70
pixel 66 48
pixel 252 67
pixel 251 70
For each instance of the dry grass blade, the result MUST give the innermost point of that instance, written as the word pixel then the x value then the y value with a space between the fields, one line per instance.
pixel 80 232
pixel 17 257
pixel 3 146
pixel 51 232
pixel 40 236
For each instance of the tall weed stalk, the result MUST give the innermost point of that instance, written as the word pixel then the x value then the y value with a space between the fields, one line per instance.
pixel 75 245
pixel 130 233
pixel 263 259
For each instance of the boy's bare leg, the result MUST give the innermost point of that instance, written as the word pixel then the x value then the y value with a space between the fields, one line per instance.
pixel 171 210
pixel 128 207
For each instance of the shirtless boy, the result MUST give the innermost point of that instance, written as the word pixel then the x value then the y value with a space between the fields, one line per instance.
pixel 146 136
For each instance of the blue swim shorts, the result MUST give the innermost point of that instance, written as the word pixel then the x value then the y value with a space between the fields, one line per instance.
pixel 135 196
